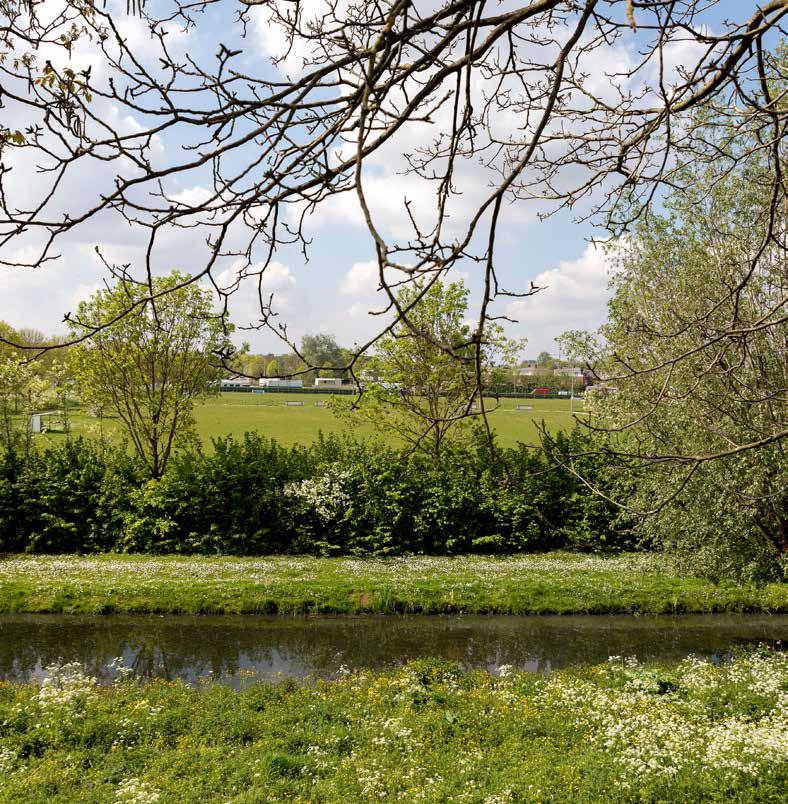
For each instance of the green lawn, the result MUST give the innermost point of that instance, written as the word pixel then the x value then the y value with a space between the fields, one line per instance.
pixel 552 583
pixel 237 413
pixel 426 732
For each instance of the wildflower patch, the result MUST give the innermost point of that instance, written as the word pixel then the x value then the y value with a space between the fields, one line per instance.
pixel 424 732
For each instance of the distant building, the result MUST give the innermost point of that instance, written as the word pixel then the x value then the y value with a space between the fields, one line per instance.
pixel 280 382
pixel 235 382
pixel 328 382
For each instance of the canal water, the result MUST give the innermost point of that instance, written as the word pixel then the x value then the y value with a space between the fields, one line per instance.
pixel 231 649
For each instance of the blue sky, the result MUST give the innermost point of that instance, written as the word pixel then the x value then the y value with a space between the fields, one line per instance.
pixel 334 291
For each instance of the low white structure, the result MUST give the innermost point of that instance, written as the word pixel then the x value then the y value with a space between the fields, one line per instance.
pixel 280 382
pixel 47 420
pixel 328 382
pixel 235 382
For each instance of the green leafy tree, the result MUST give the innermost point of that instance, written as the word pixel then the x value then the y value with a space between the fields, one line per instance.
pixel 22 392
pixel 8 335
pixel 321 350
pixel 696 351
pixel 545 360
pixel 272 369
pixel 415 388
pixel 152 364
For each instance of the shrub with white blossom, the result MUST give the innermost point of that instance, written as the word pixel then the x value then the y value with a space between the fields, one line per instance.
pixel 325 495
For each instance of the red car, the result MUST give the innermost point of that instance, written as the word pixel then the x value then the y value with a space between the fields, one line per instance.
pixel 540 392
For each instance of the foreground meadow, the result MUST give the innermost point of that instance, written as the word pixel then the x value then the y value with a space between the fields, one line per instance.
pixel 426 732
pixel 550 583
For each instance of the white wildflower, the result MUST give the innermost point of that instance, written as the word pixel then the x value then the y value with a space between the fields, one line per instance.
pixel 505 670
pixel 134 791
pixel 64 687
pixel 7 759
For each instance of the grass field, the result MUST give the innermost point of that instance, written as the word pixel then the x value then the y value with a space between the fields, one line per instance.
pixel 553 583
pixel 428 732
pixel 237 413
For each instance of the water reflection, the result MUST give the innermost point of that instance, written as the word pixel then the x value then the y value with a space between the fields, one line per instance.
pixel 225 648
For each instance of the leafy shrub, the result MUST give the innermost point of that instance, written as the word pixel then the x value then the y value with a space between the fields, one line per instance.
pixel 337 497
pixel 66 498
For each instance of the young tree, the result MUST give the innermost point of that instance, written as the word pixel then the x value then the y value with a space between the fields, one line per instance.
pixel 412 386
pixel 151 364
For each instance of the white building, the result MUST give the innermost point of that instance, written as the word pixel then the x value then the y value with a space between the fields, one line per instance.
pixel 280 382
pixel 328 382
pixel 235 382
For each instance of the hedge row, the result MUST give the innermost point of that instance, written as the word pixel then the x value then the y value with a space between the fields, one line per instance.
pixel 253 496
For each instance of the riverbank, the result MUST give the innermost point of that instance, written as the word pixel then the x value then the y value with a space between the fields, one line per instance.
pixel 553 583
pixel 426 732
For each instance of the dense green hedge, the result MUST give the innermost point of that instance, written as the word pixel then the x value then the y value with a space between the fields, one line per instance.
pixel 253 496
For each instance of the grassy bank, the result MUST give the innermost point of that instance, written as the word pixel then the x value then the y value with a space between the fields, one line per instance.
pixel 426 732
pixel 552 583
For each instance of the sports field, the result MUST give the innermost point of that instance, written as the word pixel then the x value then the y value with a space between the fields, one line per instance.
pixel 269 414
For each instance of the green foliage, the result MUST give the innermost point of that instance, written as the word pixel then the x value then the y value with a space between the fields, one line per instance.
pixel 148 358
pixel 7 333
pixel 323 351
pixel 695 343
pixel 229 501
pixel 21 393
pixel 252 496
pixel 69 498
pixel 545 360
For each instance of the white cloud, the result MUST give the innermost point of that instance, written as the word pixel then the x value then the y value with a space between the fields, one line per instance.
pixel 361 280
pixel 277 277
pixel 139 39
pixel 681 53
pixel 272 37
pixel 191 197
pixel 34 297
pixel 84 291
pixel 575 296
pixel 247 285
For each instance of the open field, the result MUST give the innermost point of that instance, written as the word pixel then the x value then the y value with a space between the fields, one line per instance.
pixel 236 413
pixel 553 583
pixel 425 732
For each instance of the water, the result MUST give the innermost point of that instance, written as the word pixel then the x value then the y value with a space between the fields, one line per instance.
pixel 230 648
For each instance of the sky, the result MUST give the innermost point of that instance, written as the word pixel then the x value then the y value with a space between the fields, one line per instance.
pixel 335 289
